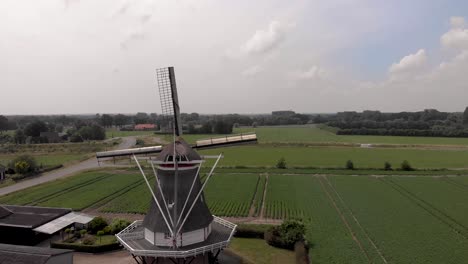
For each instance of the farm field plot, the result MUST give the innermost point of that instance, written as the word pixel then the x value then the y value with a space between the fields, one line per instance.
pixel 403 230
pixel 226 195
pixel 311 133
pixel 302 196
pixel 442 196
pixel 77 192
pixel 231 194
pixel 337 156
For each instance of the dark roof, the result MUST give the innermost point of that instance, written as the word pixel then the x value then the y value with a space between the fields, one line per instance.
pixel 200 216
pixel 181 148
pixel 27 255
pixel 4 212
pixel 30 216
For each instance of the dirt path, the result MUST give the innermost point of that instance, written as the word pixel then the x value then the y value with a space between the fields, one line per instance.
pixel 127 142
pixel 262 212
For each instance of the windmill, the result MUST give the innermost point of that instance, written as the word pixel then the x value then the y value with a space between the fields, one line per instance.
pixel 179 227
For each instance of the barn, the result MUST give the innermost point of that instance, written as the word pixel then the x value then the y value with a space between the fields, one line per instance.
pixel 13 254
pixel 29 225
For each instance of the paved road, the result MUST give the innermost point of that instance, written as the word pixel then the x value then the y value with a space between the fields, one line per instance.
pixel 127 142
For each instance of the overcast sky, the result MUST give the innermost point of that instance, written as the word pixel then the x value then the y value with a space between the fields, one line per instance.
pixel 100 56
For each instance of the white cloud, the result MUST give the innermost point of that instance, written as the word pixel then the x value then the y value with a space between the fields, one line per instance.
pixel 456 38
pixel 265 40
pixel 409 64
pixel 457 22
pixel 314 72
pixel 252 71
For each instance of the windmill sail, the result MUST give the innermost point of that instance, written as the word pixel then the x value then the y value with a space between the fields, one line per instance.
pixel 169 99
pixel 230 140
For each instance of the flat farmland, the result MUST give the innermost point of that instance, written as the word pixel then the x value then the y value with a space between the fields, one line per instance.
pixel 226 195
pixel 313 134
pixel 334 157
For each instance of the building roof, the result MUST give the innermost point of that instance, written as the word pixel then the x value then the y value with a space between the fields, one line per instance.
pixel 30 216
pixel 145 126
pixel 10 254
pixel 62 222
pixel 4 212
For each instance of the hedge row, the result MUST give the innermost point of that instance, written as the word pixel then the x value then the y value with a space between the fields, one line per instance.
pixel 87 248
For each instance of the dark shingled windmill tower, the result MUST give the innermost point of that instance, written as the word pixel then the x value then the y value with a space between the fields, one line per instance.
pixel 179 227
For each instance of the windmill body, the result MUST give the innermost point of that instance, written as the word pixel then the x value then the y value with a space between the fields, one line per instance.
pixel 179 227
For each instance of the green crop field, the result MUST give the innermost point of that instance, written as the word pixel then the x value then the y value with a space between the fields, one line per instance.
pixel 226 195
pixel 313 134
pixel 336 157
pixel 395 219
pixel 77 192
pixel 231 194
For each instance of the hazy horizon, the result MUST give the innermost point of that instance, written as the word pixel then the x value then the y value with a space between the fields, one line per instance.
pixel 82 56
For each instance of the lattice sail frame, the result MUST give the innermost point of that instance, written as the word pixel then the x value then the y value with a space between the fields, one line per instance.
pixel 169 99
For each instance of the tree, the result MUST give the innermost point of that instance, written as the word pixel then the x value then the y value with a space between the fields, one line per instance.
pixel 118 225
pixel 465 117
pixel 281 164
pixel 34 129
pixel 24 164
pixel 100 234
pixel 19 137
pixel 286 235
pixel 4 125
pixel 141 118
pixel 406 166
pixel 98 223
pixel 121 120
pixel 350 165
pixel 107 120
pixel 387 166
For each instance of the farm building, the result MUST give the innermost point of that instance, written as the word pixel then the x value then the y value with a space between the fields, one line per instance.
pixel 29 225
pixel 143 127
pixel 12 254
pixel 52 137
pixel 2 173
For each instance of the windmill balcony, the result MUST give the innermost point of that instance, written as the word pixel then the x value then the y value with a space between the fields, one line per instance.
pixel 133 239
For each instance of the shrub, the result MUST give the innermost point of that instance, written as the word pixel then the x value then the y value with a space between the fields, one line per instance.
pixel 83 232
pixel 89 240
pixel 285 235
pixel 107 230
pixel 98 223
pixel 118 225
pixel 24 164
pixel 281 164
pixel 100 234
pixel 251 231
pixel 349 165
pixel 406 166
pixel 387 166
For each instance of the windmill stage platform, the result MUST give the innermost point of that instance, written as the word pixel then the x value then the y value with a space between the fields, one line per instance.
pixel 133 239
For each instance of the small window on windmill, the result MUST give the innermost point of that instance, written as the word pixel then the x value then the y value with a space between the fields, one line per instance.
pixel 169 158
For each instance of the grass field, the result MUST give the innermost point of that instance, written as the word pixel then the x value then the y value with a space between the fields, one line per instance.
pixel 335 157
pixel 312 134
pixel 258 251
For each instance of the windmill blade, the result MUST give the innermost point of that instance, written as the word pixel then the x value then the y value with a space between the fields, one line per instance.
pixel 169 98
pixel 226 141
pixel 128 152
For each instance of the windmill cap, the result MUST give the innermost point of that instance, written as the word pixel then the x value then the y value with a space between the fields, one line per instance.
pixel 178 148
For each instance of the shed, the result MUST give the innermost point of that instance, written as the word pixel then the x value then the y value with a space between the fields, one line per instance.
pixel 13 254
